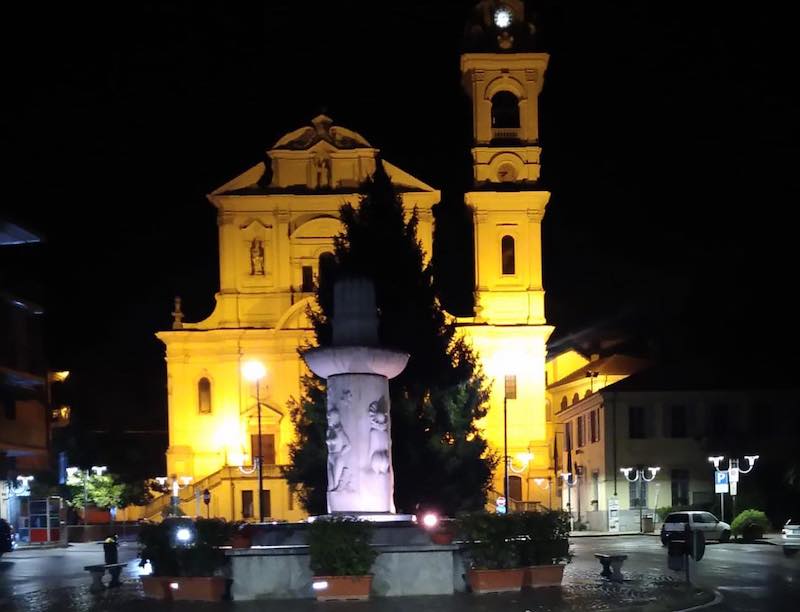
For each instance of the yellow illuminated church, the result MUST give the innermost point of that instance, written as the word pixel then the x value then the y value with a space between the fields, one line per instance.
pixel 276 226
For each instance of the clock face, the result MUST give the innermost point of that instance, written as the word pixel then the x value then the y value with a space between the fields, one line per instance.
pixel 502 17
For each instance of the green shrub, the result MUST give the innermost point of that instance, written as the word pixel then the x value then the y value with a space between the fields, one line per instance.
pixel 750 524
pixel 490 540
pixel 201 556
pixel 340 547
pixel 542 537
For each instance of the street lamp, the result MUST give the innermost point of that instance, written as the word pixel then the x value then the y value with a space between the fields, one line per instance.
pixel 733 479
pixel 254 371
pixel 24 483
pixel 570 482
pixel 640 474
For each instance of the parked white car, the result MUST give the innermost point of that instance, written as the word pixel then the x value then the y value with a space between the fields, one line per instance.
pixel 710 525
pixel 791 538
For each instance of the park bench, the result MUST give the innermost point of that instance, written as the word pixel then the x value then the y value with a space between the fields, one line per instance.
pixel 99 570
pixel 612 566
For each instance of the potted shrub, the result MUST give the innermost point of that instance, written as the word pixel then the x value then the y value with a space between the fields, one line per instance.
pixel 492 553
pixel 341 558
pixel 185 558
pixel 242 536
pixel 543 546
pixel 750 525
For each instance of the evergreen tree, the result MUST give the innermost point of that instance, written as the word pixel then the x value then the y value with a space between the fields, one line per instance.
pixel 439 456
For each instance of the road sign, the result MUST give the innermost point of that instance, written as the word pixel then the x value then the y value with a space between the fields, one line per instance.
pixel 206 496
pixel 500 505
pixel 501 501
pixel 721 482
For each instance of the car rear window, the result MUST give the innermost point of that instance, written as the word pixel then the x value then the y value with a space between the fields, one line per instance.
pixel 678 517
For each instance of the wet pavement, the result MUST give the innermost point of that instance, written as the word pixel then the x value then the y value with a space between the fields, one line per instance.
pixel 749 577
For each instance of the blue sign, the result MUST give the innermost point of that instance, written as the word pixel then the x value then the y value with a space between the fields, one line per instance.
pixel 721 482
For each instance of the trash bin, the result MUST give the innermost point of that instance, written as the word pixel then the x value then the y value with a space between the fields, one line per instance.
pixel 648 523
pixel 110 550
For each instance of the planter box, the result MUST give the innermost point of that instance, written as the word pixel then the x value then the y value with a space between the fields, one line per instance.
pixel 543 576
pixel 187 588
pixel 495 581
pixel 343 588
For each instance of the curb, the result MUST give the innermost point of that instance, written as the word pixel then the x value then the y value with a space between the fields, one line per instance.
pixel 716 601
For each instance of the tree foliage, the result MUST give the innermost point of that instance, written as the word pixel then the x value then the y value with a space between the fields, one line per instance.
pixel 439 456
pixel 102 491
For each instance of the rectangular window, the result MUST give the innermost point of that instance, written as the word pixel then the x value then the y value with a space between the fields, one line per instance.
pixel 677 422
pixel 511 386
pixel 266 503
pixel 267 448
pixel 568 437
pixel 636 424
pixel 247 504
pixel 308 279
pixel 515 488
pixel 593 426
pixel 680 488
pixel 581 431
pixel 638 493
pixel 292 492
pixel 718 420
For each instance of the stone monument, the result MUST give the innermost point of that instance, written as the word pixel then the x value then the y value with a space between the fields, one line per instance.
pixel 357 370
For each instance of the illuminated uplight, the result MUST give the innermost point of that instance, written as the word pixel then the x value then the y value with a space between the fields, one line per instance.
pixel 59 376
pixel 253 370
pixel 525 458
pixel 430 520
pixel 502 17
pixel 320 585
pixel 183 535
pixel 174 586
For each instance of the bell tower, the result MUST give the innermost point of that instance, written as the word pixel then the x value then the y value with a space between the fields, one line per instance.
pixel 503 74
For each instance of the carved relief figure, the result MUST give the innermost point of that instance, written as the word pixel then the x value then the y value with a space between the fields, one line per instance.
pixel 379 437
pixel 257 257
pixel 338 445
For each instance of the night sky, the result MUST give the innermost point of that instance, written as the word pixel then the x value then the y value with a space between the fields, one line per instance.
pixel 670 137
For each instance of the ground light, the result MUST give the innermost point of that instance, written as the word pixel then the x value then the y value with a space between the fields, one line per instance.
pixel 183 535
pixel 430 520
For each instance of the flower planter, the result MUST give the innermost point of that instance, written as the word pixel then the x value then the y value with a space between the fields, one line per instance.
pixel 155 587
pixel 343 588
pixel 240 541
pixel 495 581
pixel 543 575
pixel 442 537
pixel 186 588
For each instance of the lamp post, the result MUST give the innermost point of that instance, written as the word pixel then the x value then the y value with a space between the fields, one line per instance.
pixel 570 482
pixel 733 479
pixel 509 392
pixel 640 474
pixel 254 371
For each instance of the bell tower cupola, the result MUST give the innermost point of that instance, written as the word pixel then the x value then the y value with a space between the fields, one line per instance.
pixel 503 75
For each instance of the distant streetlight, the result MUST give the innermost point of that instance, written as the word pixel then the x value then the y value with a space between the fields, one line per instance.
pixel 254 371
pixel 733 479
pixel 640 474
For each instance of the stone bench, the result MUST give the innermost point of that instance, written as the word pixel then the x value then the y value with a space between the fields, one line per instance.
pixel 99 570
pixel 612 566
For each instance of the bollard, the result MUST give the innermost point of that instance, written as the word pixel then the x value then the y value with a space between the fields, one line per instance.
pixel 111 550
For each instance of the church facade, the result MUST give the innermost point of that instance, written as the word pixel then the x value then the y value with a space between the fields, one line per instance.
pixel 276 226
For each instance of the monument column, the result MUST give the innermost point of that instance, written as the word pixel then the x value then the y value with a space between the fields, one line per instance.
pixel 359 435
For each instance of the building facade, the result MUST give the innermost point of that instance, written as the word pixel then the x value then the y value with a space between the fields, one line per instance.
pixel 276 226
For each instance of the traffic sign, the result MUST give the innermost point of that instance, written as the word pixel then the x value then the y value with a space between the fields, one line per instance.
pixel 721 482
pixel 206 496
pixel 501 501
pixel 500 505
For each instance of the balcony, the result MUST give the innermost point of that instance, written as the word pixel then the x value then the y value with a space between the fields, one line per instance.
pixel 506 134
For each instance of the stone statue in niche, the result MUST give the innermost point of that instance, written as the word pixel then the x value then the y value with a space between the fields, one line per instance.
pixel 256 257
pixel 338 445
pixel 322 165
pixel 379 437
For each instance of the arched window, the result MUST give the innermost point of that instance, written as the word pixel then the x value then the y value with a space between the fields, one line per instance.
pixel 507 250
pixel 564 403
pixel 204 396
pixel 327 263
pixel 576 398
pixel 505 110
